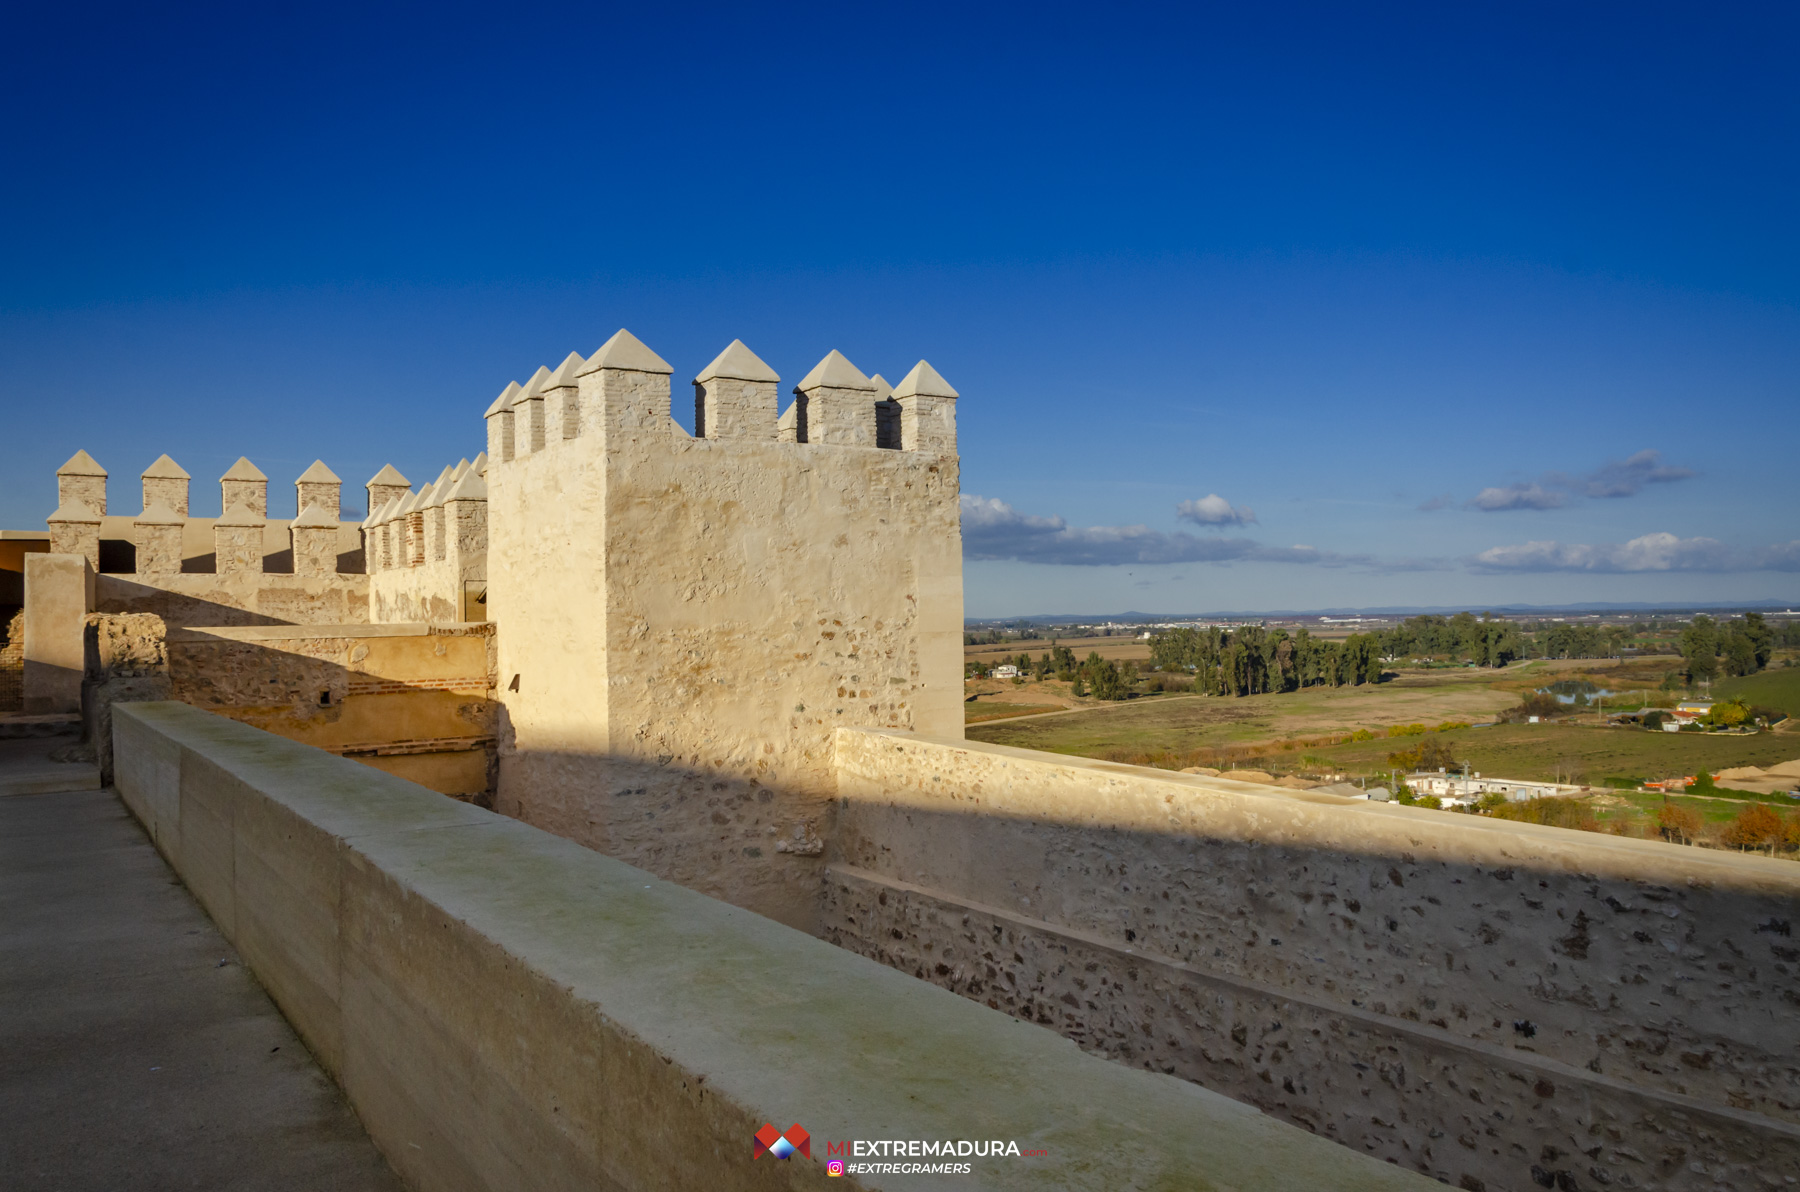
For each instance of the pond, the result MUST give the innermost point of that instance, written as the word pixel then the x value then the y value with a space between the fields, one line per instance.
pixel 1577 692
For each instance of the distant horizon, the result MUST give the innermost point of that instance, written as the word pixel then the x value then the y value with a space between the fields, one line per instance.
pixel 1133 617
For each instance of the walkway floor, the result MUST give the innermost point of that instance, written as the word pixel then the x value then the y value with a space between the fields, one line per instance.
pixel 136 1052
pixel 28 766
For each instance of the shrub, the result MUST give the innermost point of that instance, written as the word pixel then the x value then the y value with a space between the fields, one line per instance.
pixel 1557 813
pixel 1677 824
pixel 1754 827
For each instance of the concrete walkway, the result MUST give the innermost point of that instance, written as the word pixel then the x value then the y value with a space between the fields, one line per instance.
pixel 136 1052
pixel 28 766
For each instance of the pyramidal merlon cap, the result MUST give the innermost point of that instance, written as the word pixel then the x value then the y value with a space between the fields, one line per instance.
pixel 243 469
pixel 627 352
pixel 470 488
pixel 534 387
pixel 313 517
pixel 81 464
pixel 738 363
pixel 923 381
pixel 478 465
pixel 566 372
pixel 504 401
pixel 74 510
pixel 883 390
pixel 389 474
pixel 159 514
pixel 239 514
pixel 165 469
pixel 318 474
pixel 835 372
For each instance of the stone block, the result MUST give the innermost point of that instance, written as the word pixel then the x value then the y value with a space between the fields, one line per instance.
pixel 837 403
pixel 165 481
pixel 59 591
pixel 244 484
pixel 84 480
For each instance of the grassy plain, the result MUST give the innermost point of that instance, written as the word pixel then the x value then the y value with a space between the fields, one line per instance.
pixel 1113 649
pixel 1303 731
pixel 1778 688
pixel 1183 723
pixel 980 710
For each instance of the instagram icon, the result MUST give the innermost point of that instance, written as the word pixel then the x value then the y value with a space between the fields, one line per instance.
pixel 835 1167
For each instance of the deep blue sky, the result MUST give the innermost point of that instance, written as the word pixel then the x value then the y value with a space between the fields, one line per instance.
pixel 1328 265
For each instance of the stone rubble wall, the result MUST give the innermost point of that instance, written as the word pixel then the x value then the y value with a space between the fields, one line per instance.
pixel 12 665
pixel 1482 1001
pixel 416 701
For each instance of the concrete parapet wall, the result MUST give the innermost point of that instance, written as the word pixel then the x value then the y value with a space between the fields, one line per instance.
pixel 506 1009
pixel 1462 995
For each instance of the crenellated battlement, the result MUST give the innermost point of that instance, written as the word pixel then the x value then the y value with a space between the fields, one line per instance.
pixel 624 388
pixel 716 603
pixel 165 539
pixel 427 549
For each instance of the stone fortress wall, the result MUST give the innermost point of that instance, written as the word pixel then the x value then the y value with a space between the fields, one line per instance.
pixel 427 551
pixel 1486 1002
pixel 733 659
pixel 240 568
pixel 685 620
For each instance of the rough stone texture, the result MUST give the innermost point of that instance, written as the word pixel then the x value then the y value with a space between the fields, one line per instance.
pixel 82 479
pixel 506 1009
pixel 441 558
pixel 126 661
pixel 688 620
pixel 12 665
pixel 246 598
pixel 75 530
pixel 315 550
pixel 411 700
pixel 168 490
pixel 730 408
pixel 158 549
pixel 238 542
pixel 1515 996
pixel 59 591
pixel 244 484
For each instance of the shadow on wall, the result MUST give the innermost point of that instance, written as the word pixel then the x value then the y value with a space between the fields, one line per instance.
pixel 750 841
pixel 418 705
pixel 123 595
pixel 1483 1004
pixel 414 703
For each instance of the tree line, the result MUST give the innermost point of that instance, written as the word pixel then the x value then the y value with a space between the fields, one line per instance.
pixel 1735 647
pixel 1253 660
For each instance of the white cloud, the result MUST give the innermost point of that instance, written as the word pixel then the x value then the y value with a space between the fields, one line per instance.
pixel 1214 510
pixel 992 529
pixel 1648 553
pixel 1517 496
pixel 1611 480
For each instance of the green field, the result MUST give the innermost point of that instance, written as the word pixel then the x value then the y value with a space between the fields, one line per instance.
pixel 1178 724
pixel 1300 732
pixel 1779 688
pixel 981 710
pixel 1581 753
